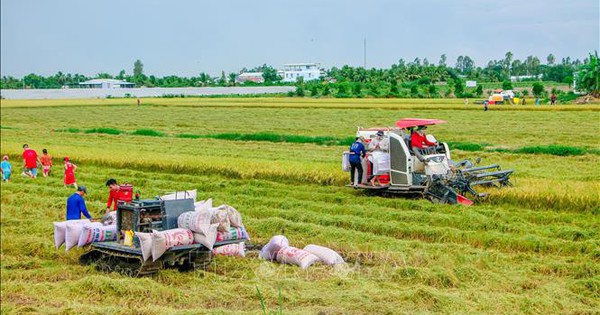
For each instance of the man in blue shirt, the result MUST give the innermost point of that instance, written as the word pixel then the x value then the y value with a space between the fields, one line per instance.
pixel 76 205
pixel 357 152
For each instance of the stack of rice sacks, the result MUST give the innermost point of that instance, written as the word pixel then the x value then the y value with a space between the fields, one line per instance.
pixel 82 232
pixel 279 249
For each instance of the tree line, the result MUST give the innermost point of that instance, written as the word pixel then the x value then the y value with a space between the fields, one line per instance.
pixel 417 78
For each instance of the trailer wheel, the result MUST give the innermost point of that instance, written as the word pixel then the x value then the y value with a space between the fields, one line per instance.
pixel 203 260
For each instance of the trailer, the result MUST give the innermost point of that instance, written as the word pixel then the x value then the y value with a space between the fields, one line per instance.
pixel 146 216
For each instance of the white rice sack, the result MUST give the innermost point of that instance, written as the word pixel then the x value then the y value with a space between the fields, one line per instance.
pixel 346 161
pixel 296 256
pixel 234 233
pixel 86 233
pixel 203 205
pixel 326 255
pixel 235 218
pixel 197 221
pixel 185 194
pixel 221 217
pixel 96 232
pixel 145 244
pixel 59 233
pixel 207 239
pixel 277 242
pixel 381 163
pixel 163 240
pixel 110 218
pixel 72 231
pixel 235 250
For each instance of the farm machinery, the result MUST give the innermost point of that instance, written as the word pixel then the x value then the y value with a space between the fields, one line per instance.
pixel 437 178
pixel 146 216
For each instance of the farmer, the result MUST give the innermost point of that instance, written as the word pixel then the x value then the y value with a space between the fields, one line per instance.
pixel 379 144
pixel 30 160
pixel 70 173
pixel 418 142
pixel 76 205
pixel 113 194
pixel 357 153
pixel 553 99
pixel 46 160
pixel 6 169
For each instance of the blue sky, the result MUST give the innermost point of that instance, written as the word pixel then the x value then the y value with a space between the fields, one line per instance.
pixel 185 37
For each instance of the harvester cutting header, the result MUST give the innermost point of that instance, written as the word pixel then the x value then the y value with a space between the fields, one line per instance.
pixel 403 160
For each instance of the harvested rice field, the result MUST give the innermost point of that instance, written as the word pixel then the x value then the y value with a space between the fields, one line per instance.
pixel 532 248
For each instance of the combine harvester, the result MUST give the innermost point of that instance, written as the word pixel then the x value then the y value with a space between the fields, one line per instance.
pixel 441 180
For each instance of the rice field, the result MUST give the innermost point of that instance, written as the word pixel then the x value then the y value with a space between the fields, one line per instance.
pixel 533 248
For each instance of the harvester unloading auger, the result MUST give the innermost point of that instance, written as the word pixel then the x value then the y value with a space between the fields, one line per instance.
pixel 440 179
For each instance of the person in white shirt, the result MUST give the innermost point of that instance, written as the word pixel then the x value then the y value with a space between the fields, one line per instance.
pixel 380 144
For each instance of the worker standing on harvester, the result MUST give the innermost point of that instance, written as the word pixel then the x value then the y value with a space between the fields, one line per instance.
pixel 357 153
pixel 379 144
pixel 418 142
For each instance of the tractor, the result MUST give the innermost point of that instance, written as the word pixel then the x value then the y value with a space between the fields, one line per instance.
pixel 145 216
pixel 439 179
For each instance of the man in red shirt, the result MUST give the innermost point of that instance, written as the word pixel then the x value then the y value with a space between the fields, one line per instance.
pixel 113 195
pixel 419 141
pixel 30 161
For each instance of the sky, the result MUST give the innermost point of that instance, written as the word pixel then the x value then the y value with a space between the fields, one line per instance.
pixel 187 37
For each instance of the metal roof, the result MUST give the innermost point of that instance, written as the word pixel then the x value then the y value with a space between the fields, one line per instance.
pixel 100 81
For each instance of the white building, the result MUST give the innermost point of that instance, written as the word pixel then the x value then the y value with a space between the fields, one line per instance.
pixel 519 78
pixel 256 77
pixel 292 71
pixel 106 84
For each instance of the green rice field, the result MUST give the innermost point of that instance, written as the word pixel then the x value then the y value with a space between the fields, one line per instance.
pixel 533 248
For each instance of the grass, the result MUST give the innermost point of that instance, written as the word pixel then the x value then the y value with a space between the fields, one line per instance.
pixel 271 137
pixel 532 248
pixel 108 131
pixel 71 130
pixel 148 132
pixel 466 146
pixel 560 150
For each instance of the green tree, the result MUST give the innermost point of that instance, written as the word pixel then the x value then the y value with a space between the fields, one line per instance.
pixel 314 90
pixel 270 75
pixel 538 89
pixel 357 89
pixel 459 87
pixel 589 75
pixel 326 91
pixel 506 85
pixel 550 59
pixel 138 68
pixel 232 77
pixel 568 80
pixel 479 90
pixel 508 58
pixel 443 59
pixel 433 91
pixel 414 90
pixel 222 79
